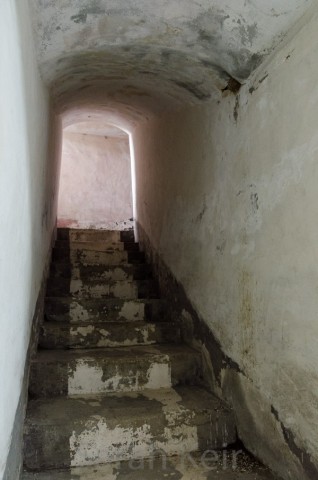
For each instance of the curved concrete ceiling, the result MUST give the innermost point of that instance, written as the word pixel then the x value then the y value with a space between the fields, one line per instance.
pixel 96 127
pixel 144 56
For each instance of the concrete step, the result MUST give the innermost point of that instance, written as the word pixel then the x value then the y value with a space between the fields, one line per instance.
pixel 78 372
pixel 95 257
pixel 98 246
pixel 102 273
pixel 55 335
pixel 67 432
pixel 84 235
pixel 88 287
pixel 126 289
pixel 74 310
pixel 219 465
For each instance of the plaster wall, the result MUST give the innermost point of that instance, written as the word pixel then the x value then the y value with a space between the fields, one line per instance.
pixel 227 195
pixel 26 213
pixel 95 183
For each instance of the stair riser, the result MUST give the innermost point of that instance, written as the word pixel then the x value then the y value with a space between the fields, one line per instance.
pixel 99 273
pixel 115 310
pixel 96 246
pixel 87 257
pixel 107 335
pixel 89 246
pixel 91 440
pixel 91 376
pixel 124 289
pixel 87 288
pixel 95 235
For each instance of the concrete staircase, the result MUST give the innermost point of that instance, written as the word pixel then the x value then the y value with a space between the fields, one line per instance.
pixel 112 381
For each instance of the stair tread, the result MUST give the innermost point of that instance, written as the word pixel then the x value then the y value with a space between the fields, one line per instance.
pixel 67 243
pixel 70 298
pixel 65 263
pixel 90 371
pixel 93 231
pixel 99 302
pixel 75 309
pixel 76 234
pixel 104 282
pixel 98 249
pixel 128 288
pixel 173 468
pixel 101 324
pixel 115 353
pixel 95 429
pixel 106 334
pixel 98 269
pixel 98 257
pixel 125 406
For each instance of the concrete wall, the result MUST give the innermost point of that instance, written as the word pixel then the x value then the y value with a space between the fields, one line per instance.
pixel 26 216
pixel 95 184
pixel 228 196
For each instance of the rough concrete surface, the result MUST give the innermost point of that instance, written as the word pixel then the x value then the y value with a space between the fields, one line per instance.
pixel 92 402
pixel 118 369
pixel 76 310
pixel 87 274
pixel 110 334
pixel 217 465
pixel 79 431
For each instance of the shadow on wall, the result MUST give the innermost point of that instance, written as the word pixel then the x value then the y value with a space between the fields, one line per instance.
pixel 95 181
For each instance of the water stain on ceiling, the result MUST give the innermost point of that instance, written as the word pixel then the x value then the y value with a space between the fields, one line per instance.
pixel 159 52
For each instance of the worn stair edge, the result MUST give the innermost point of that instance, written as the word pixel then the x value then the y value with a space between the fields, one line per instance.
pixel 227 464
pixel 72 310
pixel 112 334
pixel 63 432
pixel 127 369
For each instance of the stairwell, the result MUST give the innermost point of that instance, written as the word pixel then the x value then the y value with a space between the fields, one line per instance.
pixel 114 393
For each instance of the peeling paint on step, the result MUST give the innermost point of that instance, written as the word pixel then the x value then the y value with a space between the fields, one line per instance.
pixel 123 289
pixel 101 444
pixel 87 257
pixel 132 311
pixel 56 335
pixel 159 376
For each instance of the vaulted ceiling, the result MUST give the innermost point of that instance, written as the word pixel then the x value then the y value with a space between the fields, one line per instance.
pixel 147 55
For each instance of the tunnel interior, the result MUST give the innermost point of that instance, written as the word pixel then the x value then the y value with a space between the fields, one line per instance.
pixel 218 102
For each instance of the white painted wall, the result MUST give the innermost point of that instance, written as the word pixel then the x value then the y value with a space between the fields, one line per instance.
pixel 228 195
pixel 26 202
pixel 95 183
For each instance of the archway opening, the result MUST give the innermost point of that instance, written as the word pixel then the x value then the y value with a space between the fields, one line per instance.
pixel 95 188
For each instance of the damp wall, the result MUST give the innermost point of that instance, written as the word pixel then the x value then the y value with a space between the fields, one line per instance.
pixel 227 197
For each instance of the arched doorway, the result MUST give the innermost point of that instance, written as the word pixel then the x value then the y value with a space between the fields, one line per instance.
pixel 95 180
